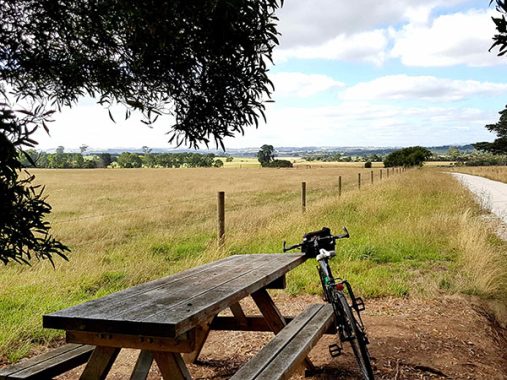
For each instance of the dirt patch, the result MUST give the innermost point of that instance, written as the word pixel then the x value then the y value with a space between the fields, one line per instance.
pixel 449 338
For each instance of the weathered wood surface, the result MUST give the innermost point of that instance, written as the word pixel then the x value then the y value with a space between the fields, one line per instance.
pixel 171 366
pixel 267 307
pixel 100 363
pixel 201 334
pixel 183 343
pixel 49 364
pixel 289 347
pixel 143 365
pixel 170 306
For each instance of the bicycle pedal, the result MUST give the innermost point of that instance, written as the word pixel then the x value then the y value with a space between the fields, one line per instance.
pixel 335 350
pixel 360 304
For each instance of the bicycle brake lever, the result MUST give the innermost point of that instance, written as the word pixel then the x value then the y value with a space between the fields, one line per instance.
pixel 345 235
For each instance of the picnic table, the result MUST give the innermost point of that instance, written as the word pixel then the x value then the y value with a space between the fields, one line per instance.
pixel 169 319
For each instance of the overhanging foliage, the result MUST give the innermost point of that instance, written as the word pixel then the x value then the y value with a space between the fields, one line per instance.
pixel 500 39
pixel 202 61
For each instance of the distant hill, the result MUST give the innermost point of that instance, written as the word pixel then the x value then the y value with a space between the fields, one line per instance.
pixel 282 151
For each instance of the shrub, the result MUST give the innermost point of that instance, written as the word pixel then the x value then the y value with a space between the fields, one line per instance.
pixel 412 156
pixel 279 164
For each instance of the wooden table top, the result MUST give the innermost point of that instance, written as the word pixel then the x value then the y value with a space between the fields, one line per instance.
pixel 170 306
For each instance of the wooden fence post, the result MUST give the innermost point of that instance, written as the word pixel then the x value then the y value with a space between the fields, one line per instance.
pixel 221 218
pixel 359 181
pixel 340 186
pixel 387 172
pixel 303 196
pixel 381 174
pixel 371 173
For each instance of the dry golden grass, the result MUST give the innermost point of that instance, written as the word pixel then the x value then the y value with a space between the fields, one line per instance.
pixel 129 226
pixel 411 234
pixel 496 173
pixel 484 263
pixel 438 163
pixel 334 164
pixel 298 162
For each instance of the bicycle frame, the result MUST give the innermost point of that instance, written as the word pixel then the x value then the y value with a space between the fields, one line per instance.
pixel 328 281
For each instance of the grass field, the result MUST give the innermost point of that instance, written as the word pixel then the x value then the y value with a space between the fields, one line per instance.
pixel 415 234
pixel 496 173
pixel 298 162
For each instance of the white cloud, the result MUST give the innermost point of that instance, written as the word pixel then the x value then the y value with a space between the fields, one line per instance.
pixel 302 85
pixel 459 38
pixel 421 87
pixel 374 31
pixel 88 123
pixel 363 123
pixel 365 46
pixel 357 123
pixel 313 22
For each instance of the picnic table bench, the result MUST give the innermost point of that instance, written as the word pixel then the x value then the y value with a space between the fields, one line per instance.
pixel 169 319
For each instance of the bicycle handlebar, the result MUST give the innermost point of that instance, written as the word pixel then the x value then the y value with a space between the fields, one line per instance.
pixel 346 235
pixel 316 236
pixel 285 249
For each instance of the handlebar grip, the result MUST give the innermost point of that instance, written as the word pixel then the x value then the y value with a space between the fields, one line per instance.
pixel 285 249
pixel 345 235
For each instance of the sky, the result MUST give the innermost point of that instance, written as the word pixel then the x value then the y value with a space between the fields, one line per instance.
pixel 352 73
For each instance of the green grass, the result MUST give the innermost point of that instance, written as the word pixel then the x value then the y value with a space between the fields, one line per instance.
pixel 414 235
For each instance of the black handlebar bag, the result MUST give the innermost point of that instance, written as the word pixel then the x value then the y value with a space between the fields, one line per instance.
pixel 313 241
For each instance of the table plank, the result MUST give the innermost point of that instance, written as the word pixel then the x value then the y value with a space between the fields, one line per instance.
pixel 134 294
pixel 173 305
pixel 145 297
pixel 184 316
pixel 180 293
pixel 182 343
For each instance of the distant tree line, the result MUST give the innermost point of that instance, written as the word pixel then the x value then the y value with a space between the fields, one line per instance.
pixel 168 160
pixel 339 157
pixel 62 160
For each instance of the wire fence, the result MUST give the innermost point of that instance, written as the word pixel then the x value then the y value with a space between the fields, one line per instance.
pixel 235 204
pixel 119 212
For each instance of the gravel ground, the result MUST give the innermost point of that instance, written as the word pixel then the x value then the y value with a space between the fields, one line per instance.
pixel 491 195
pixel 446 338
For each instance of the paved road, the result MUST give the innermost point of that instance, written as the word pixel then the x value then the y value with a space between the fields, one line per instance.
pixel 492 195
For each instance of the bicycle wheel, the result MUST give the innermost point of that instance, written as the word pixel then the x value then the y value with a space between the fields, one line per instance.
pixel 357 338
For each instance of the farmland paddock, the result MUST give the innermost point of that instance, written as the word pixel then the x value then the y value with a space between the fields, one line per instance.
pixel 129 226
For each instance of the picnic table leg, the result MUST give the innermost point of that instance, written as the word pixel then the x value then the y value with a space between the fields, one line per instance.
pixel 143 365
pixel 171 366
pixel 239 314
pixel 267 307
pixel 100 363
pixel 201 334
pixel 273 316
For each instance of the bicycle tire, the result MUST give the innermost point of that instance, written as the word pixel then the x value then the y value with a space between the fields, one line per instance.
pixel 357 341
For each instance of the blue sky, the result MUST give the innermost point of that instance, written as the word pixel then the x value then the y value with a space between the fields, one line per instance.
pixel 363 73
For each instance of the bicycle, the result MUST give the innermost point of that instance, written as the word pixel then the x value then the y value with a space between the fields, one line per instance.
pixel 321 246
